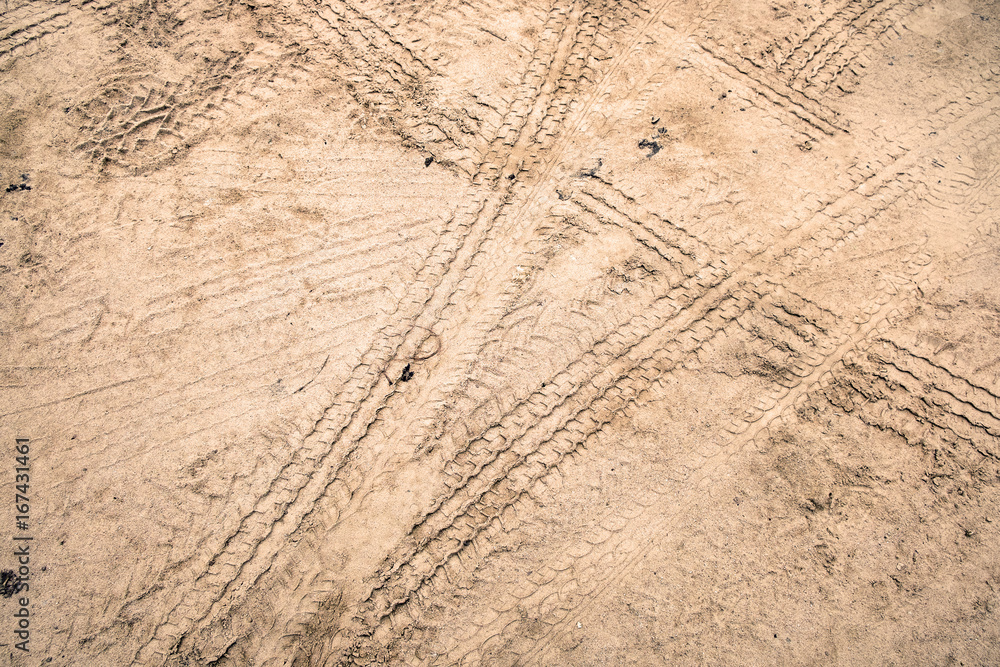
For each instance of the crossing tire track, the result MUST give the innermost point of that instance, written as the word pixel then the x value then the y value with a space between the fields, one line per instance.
pixel 772 407
pixel 486 461
pixel 488 477
pixel 554 398
pixel 290 505
pixel 328 446
pixel 619 541
pixel 394 593
pixel 602 562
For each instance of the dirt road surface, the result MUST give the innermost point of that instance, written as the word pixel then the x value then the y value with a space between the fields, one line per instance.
pixel 440 332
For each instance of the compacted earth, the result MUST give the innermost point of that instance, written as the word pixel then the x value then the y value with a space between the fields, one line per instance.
pixel 439 332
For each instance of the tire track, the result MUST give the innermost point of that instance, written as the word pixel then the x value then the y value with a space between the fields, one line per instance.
pixel 673 244
pixel 684 257
pixel 556 70
pixel 515 244
pixel 557 32
pixel 516 232
pixel 395 596
pixel 831 246
pixel 478 466
pixel 550 399
pixel 802 254
pixel 586 569
pixel 608 554
pixel 169 635
pixel 386 76
pixel 852 53
pixel 326 447
pixel 921 399
pixel 222 574
pixel 818 60
pixel 296 493
pixel 734 66
pixel 366 403
pixel 803 376
pixel 506 233
pixel 135 121
pixel 31 22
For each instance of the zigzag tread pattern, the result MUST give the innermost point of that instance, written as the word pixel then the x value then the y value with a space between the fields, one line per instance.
pixel 769 409
pixel 396 593
pixel 169 634
pixel 499 467
pixel 28 24
pixel 136 121
pixel 920 399
pixel 574 582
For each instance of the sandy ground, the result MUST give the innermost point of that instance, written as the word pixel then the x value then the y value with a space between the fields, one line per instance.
pixel 445 332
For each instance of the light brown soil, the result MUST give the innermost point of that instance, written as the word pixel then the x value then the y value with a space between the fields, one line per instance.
pixel 427 332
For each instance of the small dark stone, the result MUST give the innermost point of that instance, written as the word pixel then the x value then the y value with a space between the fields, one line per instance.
pixel 427 161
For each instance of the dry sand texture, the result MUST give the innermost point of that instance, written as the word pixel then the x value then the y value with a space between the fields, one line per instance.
pixel 434 332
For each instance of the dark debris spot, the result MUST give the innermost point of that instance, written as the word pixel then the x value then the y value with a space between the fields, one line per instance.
pixel 407 374
pixel 9 583
pixel 427 161
pixel 653 146
pixel 592 172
